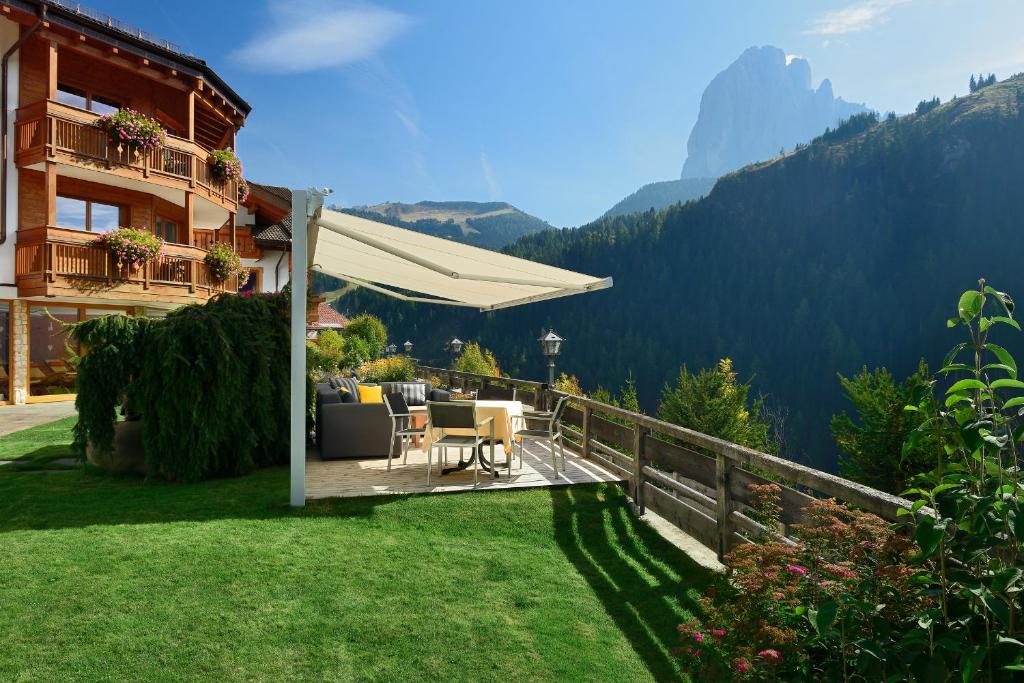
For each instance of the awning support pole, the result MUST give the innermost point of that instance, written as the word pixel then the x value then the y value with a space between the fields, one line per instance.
pixel 306 205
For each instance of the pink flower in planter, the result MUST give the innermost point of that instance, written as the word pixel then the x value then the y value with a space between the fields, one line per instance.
pixel 742 665
pixel 770 655
pixel 718 632
pixel 698 636
pixel 796 569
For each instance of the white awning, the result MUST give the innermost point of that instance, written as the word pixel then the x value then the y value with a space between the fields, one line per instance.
pixel 412 266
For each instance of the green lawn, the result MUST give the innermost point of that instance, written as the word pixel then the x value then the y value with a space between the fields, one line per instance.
pixel 35 448
pixel 112 578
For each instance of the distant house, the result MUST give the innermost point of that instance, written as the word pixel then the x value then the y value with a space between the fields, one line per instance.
pixel 326 319
pixel 265 218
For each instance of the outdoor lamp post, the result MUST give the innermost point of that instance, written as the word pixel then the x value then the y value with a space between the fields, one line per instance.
pixel 455 346
pixel 551 345
pixel 392 349
pixel 408 347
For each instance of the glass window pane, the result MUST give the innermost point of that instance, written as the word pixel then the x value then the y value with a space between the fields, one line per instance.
pixel 105 217
pixel 91 313
pixel 104 105
pixel 49 369
pixel 5 351
pixel 73 96
pixel 70 213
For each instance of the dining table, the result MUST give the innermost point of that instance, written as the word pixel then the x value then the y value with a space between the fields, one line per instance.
pixel 505 415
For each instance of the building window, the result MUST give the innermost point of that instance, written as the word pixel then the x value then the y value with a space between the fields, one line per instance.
pixel 167 230
pixel 253 283
pixel 6 342
pixel 83 99
pixel 84 214
pixel 50 370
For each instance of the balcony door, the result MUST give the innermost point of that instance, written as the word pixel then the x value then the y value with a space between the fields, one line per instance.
pixel 167 230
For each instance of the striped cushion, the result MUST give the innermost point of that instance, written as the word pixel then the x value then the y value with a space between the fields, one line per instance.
pixel 415 393
pixel 349 384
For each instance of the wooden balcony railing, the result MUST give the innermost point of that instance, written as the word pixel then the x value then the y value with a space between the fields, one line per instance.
pixel 56 131
pixel 698 482
pixel 59 262
pixel 244 243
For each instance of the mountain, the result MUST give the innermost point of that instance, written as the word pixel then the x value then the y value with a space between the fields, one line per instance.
pixel 850 251
pixel 491 225
pixel 661 194
pixel 759 104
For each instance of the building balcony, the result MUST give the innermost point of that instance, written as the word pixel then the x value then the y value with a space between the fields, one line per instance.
pixel 56 262
pixel 56 132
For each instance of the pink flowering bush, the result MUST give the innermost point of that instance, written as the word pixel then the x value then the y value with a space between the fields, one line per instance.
pixel 131 248
pixel 243 190
pixel 224 165
pixel 131 128
pixel 223 261
pixel 822 607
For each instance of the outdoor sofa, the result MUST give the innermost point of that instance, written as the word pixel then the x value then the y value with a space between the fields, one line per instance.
pixel 346 428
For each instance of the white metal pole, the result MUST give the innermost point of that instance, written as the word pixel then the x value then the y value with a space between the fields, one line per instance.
pixel 297 434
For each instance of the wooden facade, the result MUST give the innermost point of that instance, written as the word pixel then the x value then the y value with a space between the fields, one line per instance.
pixel 66 81
pixel 73 184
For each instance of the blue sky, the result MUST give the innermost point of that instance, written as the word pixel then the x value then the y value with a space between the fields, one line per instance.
pixel 561 108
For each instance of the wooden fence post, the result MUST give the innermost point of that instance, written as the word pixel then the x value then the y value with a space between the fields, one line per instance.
pixel 638 467
pixel 586 432
pixel 723 506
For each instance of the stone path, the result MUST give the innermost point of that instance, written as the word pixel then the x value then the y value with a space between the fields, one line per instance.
pixel 16 418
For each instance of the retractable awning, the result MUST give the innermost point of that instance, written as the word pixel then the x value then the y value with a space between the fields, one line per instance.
pixel 406 265
pixel 412 266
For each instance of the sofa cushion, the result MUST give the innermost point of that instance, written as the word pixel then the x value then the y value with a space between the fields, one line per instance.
pixel 347 396
pixel 415 393
pixel 370 394
pixel 347 383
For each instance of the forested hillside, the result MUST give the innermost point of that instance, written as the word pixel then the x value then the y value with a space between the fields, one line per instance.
pixel 662 194
pixel 844 253
pixel 491 225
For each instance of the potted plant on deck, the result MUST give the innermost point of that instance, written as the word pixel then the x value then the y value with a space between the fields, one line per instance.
pixel 131 248
pixel 132 129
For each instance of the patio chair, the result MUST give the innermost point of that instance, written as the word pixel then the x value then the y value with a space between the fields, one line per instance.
pixel 459 415
pixel 552 433
pixel 401 425
pixel 491 393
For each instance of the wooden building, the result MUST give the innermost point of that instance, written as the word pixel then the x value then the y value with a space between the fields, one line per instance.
pixel 66 181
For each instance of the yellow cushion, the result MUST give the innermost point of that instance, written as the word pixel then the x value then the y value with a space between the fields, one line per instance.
pixel 370 394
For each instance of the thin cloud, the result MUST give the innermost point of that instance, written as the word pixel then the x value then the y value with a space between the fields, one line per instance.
pixel 409 124
pixel 312 35
pixel 492 184
pixel 860 16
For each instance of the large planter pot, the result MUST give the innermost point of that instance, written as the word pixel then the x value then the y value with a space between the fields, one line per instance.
pixel 127 455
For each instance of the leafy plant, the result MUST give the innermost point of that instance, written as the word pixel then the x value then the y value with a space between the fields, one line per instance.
pixel 873 446
pixel 208 381
pixel 714 402
pixel 476 360
pixel 132 248
pixel 390 369
pixel 243 190
pixel 371 330
pixel 969 521
pixel 223 261
pixel 225 165
pixel 132 128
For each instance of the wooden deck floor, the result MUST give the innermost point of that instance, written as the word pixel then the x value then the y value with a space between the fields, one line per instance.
pixel 354 478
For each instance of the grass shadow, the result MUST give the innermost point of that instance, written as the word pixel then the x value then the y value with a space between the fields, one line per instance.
pixel 89 496
pixel 646 584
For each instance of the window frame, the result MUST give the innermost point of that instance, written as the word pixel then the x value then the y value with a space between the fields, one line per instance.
pixel 122 210
pixel 90 96
pixel 9 392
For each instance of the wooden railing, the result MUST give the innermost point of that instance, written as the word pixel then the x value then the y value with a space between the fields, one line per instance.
pixel 698 482
pixel 44 256
pixel 50 129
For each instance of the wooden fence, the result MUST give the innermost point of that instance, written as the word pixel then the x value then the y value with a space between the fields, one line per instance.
pixel 698 482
